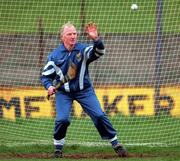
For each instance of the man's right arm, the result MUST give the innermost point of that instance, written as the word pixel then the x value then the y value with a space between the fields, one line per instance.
pixel 98 49
pixel 48 74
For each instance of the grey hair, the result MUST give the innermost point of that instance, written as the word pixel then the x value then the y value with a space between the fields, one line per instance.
pixel 68 24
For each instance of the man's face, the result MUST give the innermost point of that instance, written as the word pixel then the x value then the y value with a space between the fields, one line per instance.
pixel 69 36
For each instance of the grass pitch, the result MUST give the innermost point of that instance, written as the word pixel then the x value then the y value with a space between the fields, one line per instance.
pixel 112 17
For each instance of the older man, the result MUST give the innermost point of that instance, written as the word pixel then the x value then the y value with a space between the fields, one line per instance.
pixel 78 87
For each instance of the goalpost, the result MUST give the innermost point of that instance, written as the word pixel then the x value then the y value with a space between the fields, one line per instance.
pixel 137 81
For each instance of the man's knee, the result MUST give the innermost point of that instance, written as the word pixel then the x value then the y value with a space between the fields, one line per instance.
pixel 60 129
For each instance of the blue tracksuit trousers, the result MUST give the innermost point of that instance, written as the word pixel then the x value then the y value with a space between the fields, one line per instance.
pixel 90 104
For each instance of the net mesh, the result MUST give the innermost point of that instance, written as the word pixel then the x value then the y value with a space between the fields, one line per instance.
pixel 137 80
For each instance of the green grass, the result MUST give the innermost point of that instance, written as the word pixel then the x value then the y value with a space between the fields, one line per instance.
pixel 163 130
pixel 137 153
pixel 112 17
pixel 132 130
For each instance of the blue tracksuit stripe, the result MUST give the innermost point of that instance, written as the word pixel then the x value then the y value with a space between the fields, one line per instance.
pixel 87 51
pixel 81 77
pixel 83 66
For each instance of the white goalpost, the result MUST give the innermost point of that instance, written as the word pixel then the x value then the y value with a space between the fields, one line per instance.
pixel 137 81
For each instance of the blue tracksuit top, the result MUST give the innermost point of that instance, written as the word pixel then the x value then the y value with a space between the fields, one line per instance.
pixel 58 61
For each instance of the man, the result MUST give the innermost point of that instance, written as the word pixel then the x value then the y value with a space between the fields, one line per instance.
pixel 76 86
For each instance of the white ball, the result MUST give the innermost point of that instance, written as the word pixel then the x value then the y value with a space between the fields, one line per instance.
pixel 134 6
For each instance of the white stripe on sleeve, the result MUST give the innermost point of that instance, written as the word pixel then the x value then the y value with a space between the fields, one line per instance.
pixel 55 68
pixel 99 52
pixel 48 72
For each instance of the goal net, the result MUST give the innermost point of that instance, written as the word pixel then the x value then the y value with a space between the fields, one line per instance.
pixel 137 81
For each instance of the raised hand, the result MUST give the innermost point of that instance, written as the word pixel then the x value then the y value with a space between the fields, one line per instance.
pixel 91 30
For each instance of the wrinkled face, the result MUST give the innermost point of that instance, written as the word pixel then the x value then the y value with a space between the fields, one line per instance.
pixel 69 36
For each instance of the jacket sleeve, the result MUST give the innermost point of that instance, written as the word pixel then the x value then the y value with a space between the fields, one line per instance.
pixel 95 51
pixel 48 74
